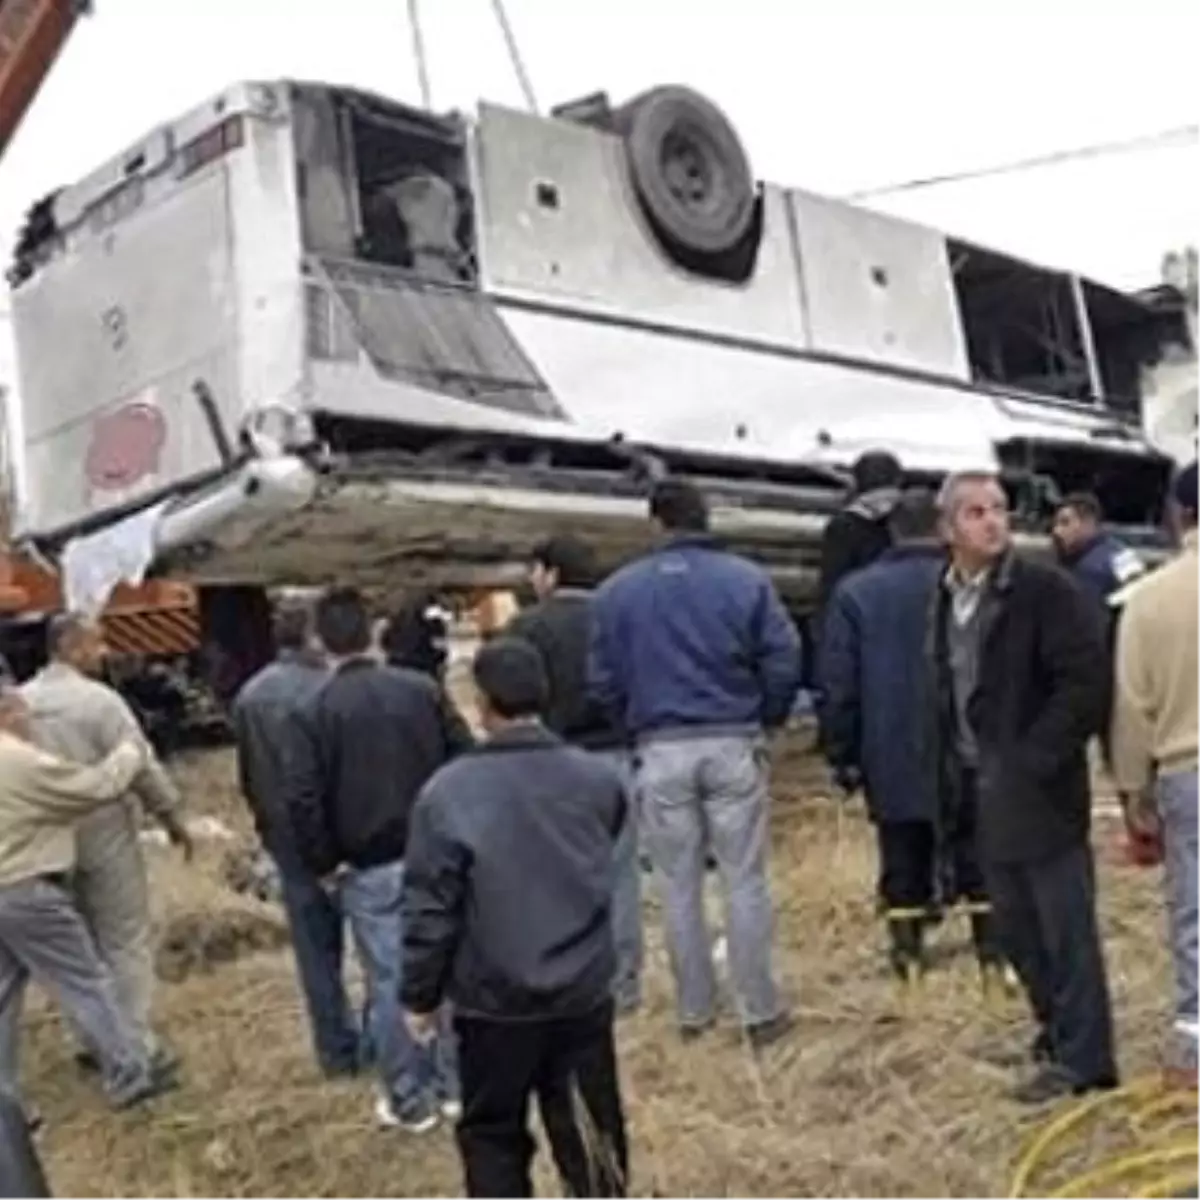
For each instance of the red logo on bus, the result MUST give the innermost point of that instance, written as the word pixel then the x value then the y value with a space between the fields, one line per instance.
pixel 126 447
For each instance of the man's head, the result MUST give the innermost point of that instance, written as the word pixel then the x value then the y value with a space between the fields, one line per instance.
pixel 292 627
pixel 77 641
pixel 511 681
pixel 1184 499
pixel 915 517
pixel 1076 522
pixel 564 561
pixel 678 507
pixel 343 622
pixel 974 518
pixel 14 713
pixel 876 469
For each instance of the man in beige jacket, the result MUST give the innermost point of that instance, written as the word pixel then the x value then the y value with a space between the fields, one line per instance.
pixel 1154 743
pixel 42 935
pixel 78 718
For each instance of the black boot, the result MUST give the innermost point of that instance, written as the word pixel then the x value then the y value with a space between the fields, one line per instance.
pixel 993 970
pixel 906 932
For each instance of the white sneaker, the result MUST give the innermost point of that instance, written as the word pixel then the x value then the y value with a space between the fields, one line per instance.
pixel 451 1108
pixel 420 1121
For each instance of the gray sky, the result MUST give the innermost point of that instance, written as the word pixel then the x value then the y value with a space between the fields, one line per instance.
pixel 833 96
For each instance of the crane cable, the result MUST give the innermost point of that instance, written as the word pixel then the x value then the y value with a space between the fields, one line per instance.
pixel 1159 1157
pixel 418 44
pixel 514 55
pixel 1180 133
pixel 510 41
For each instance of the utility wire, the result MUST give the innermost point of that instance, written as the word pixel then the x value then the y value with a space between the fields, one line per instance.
pixel 514 54
pixel 1100 149
pixel 418 44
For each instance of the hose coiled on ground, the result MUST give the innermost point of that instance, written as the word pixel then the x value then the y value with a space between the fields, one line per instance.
pixel 1159 1158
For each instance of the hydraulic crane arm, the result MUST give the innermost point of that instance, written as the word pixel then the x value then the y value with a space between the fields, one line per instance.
pixel 32 35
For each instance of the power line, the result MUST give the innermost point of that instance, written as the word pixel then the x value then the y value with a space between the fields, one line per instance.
pixel 1097 150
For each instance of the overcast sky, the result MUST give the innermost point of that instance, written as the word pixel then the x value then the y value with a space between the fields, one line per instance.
pixel 831 95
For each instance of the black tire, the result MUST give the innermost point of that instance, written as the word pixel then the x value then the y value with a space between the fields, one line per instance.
pixel 689 169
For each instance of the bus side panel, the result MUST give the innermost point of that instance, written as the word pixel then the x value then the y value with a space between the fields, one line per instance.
pixel 150 307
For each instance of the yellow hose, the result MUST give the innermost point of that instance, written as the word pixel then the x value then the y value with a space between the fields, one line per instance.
pixel 1170 1185
pixel 1155 1162
pixel 1093 1183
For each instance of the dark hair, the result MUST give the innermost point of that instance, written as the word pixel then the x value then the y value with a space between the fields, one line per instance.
pixel 413 639
pixel 568 555
pixel 1083 504
pixel 678 504
pixel 61 628
pixel 876 469
pixel 343 622
pixel 916 515
pixel 292 625
pixel 1185 488
pixel 510 674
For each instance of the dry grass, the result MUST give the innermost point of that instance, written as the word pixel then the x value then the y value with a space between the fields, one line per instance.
pixel 856 1103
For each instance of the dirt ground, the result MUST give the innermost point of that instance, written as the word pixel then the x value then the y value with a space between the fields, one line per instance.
pixel 862 1100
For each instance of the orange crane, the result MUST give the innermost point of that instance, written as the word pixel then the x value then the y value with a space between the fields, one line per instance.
pixel 32 36
pixel 158 619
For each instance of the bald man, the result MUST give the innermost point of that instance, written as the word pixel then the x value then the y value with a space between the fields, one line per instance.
pixel 42 935
pixel 81 719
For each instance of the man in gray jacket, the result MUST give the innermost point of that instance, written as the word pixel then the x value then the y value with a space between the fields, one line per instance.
pixel 82 720
pixel 262 717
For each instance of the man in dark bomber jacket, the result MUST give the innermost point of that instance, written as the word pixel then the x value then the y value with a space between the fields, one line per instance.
pixel 559 628
pixel 361 748
pixel 694 654
pixel 507 912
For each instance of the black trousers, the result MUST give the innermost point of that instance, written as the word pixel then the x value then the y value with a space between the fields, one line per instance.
pixel 911 873
pixel 570 1064
pixel 1045 914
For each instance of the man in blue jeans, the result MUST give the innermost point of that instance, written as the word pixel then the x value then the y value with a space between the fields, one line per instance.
pixel 558 627
pixel 360 749
pixel 694 655
pixel 261 716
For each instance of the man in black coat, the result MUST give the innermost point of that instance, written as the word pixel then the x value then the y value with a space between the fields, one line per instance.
pixel 1017 651
pixel 507 908
pixel 360 747
pixel 855 537
pixel 558 627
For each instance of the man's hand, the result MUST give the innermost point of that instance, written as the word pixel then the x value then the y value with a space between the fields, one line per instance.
pixel 333 880
pixel 1141 815
pixel 179 836
pixel 422 1027
pixel 849 780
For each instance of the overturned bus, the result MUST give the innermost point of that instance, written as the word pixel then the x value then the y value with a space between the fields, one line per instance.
pixel 303 333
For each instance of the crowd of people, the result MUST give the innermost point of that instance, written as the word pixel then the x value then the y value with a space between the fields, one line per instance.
pixel 491 882
pixel 961 686
pixel 493 888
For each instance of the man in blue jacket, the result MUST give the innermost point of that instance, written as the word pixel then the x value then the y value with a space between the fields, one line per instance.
pixel 873 653
pixel 1100 563
pixel 694 655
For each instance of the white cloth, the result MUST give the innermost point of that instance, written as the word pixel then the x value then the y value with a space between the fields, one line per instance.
pixel 93 565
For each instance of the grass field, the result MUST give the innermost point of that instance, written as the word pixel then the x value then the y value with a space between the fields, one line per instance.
pixel 860 1101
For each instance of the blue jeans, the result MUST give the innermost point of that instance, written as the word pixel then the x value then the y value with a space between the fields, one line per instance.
pixel 317 929
pixel 371 900
pixel 627 892
pixel 1177 809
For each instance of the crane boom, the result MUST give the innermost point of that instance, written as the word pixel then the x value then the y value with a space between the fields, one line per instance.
pixel 32 35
